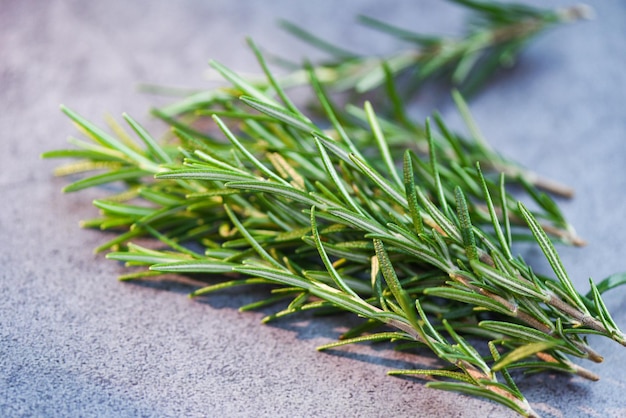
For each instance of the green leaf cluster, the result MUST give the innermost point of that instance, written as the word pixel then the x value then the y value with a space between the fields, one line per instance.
pixel 408 226
pixel 493 38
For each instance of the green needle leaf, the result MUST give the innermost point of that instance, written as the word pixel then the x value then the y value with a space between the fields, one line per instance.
pixel 288 192
pixel 280 114
pixel 327 263
pixel 148 140
pixel 394 284
pixel 110 142
pixel 523 352
pixel 383 146
pixel 253 243
pixel 511 402
pixel 226 285
pixel 552 256
pixel 246 87
pixel 204 174
pixel 504 243
pixel 381 336
pixel 122 174
pixel 469 298
pixel 609 283
pixel 379 180
pixel 198 266
pixel 469 120
pixel 434 168
pixel 505 280
pixel 466 226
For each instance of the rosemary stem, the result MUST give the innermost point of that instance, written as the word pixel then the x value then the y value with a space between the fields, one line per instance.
pixel 530 320
pixel 480 376
pixel 578 370
pixel 548 185
pixel 585 319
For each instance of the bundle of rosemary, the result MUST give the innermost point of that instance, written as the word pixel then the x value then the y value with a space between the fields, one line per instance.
pixel 409 226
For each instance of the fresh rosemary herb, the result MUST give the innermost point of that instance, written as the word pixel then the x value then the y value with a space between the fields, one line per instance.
pixel 408 226
pixel 493 38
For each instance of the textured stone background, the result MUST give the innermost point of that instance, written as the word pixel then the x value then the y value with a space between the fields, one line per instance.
pixel 75 342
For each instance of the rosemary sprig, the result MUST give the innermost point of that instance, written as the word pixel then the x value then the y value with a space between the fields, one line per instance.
pixel 318 208
pixel 494 36
pixel 363 128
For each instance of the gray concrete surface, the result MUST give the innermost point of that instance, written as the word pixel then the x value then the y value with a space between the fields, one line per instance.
pixel 75 342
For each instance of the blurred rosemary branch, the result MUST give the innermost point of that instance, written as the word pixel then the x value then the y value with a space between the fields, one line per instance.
pixel 495 34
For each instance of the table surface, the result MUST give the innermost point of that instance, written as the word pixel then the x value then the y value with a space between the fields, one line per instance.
pixel 76 342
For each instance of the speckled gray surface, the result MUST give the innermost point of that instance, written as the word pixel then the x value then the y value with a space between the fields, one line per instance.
pixel 75 342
